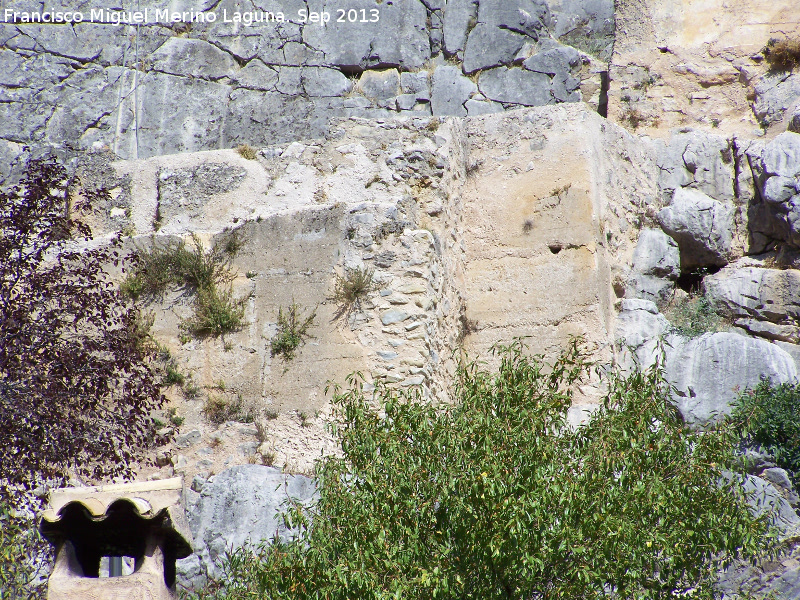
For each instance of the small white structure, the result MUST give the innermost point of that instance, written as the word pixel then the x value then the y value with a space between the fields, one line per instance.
pixel 94 529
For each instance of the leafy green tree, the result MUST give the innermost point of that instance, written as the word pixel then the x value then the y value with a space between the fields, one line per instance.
pixel 496 497
pixel 769 417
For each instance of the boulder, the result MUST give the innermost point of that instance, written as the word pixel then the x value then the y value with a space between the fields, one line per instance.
pixel 656 254
pixel 638 330
pixel 710 371
pixel 777 171
pixel 702 227
pixel 794 121
pixel 195 58
pixel 240 505
pixel 765 498
pixel 482 107
pixel 651 288
pixel 398 39
pixel 746 291
pixel 775 94
pixel 591 17
pixel 516 86
pixel 380 85
pixel 558 61
pixel 450 91
pixel 416 84
pixel 457 17
pixel 699 160
pixel 503 27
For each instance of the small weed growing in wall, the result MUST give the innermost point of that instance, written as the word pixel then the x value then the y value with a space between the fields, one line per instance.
pixel 216 312
pixel 202 274
pixel 292 331
pixel 692 316
pixel 782 55
pixel 352 288
pixel 247 151
pixel 218 409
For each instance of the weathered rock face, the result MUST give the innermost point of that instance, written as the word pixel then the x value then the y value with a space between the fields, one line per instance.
pixel 710 371
pixel 680 63
pixel 239 506
pixel 656 264
pixel 753 291
pixel 702 227
pixel 777 172
pixel 210 82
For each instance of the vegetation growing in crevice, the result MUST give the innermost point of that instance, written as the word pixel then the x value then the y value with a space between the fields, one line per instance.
pixel 351 289
pixel 693 315
pixel 219 408
pixel 496 497
pixel 292 331
pixel 247 151
pixel 207 276
pixel 782 55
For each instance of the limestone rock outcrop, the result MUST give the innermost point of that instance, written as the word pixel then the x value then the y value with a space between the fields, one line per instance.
pixel 702 227
pixel 239 506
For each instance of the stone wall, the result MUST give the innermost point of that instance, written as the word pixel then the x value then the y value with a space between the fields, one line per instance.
pixel 161 87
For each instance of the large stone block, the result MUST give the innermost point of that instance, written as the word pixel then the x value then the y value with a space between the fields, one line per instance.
pixel 450 91
pixel 709 372
pixel 777 171
pixel 239 506
pixel 747 291
pixel 516 86
pixel 702 227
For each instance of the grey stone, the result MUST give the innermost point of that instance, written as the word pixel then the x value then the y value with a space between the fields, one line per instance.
pixel 555 61
pixel 777 477
pixel 179 463
pixel 770 331
pixel 528 17
pixel 450 91
pixel 516 86
pixel 188 439
pixel 710 371
pixel 702 227
pixel 648 287
pixel 393 316
pixel 782 156
pixel 479 107
pixel 503 28
pixel 256 76
pixel 193 58
pixel 698 160
pixel 776 169
pixel 656 254
pixel 405 101
pixel 765 499
pixel 638 331
pixel 399 38
pixel 794 122
pixel 416 84
pixel 239 505
pixel 775 94
pixel 458 14
pixel 322 82
pixel 191 110
pixel 488 47
pixel 380 85
pixel 588 17
pixel 765 294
